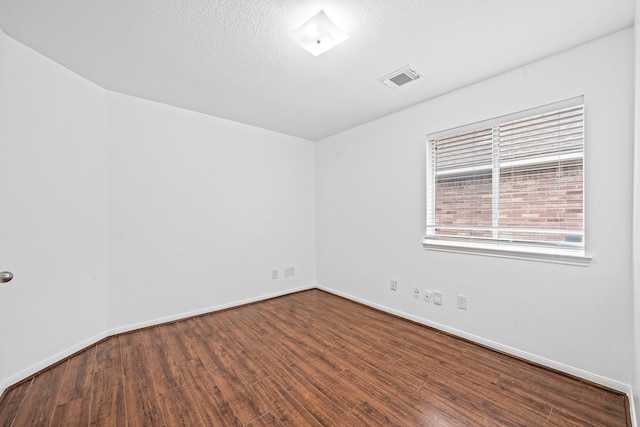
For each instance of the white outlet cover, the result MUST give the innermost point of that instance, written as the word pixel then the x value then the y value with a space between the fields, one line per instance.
pixel 428 295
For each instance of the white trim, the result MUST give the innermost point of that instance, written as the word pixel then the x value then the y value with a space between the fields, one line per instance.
pixel 632 407
pixel 26 373
pixel 562 231
pixel 589 376
pixel 186 315
pixel 542 254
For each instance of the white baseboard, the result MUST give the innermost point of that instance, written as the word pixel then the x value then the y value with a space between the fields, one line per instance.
pixel 26 373
pixel 173 318
pixel 634 405
pixel 589 376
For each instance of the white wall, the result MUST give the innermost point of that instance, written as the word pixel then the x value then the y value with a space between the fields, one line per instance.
pixel 53 219
pixel 118 212
pixel 182 212
pixel 200 210
pixel 370 220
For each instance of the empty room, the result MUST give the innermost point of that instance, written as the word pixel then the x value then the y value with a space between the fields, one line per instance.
pixel 307 212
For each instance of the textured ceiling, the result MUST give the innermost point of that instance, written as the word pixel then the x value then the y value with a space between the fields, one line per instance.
pixel 234 59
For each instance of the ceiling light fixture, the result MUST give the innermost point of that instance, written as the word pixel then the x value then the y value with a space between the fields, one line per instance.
pixel 319 34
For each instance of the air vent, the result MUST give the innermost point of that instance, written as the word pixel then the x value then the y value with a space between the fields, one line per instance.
pixel 400 77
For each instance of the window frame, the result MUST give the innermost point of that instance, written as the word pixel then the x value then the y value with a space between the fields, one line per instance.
pixel 491 247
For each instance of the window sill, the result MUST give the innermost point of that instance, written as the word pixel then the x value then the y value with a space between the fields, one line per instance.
pixel 510 251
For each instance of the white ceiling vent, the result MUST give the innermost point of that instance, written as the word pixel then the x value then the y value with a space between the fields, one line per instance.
pixel 400 77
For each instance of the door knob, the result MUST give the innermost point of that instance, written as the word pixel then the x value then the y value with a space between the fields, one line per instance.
pixel 6 276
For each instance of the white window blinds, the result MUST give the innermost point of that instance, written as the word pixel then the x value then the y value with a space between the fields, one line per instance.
pixel 514 181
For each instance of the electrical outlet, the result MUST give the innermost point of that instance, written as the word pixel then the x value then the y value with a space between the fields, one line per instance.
pixel 462 302
pixel 289 271
pixel 394 285
pixel 437 297
pixel 427 295
pixel 416 293
pixel 274 273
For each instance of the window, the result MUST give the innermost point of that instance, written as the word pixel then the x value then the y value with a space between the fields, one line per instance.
pixel 511 186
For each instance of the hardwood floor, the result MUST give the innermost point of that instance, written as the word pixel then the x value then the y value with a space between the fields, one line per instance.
pixel 309 358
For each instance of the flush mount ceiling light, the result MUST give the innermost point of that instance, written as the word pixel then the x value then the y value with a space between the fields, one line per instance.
pixel 319 34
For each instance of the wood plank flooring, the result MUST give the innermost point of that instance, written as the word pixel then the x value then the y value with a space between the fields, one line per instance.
pixel 306 359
